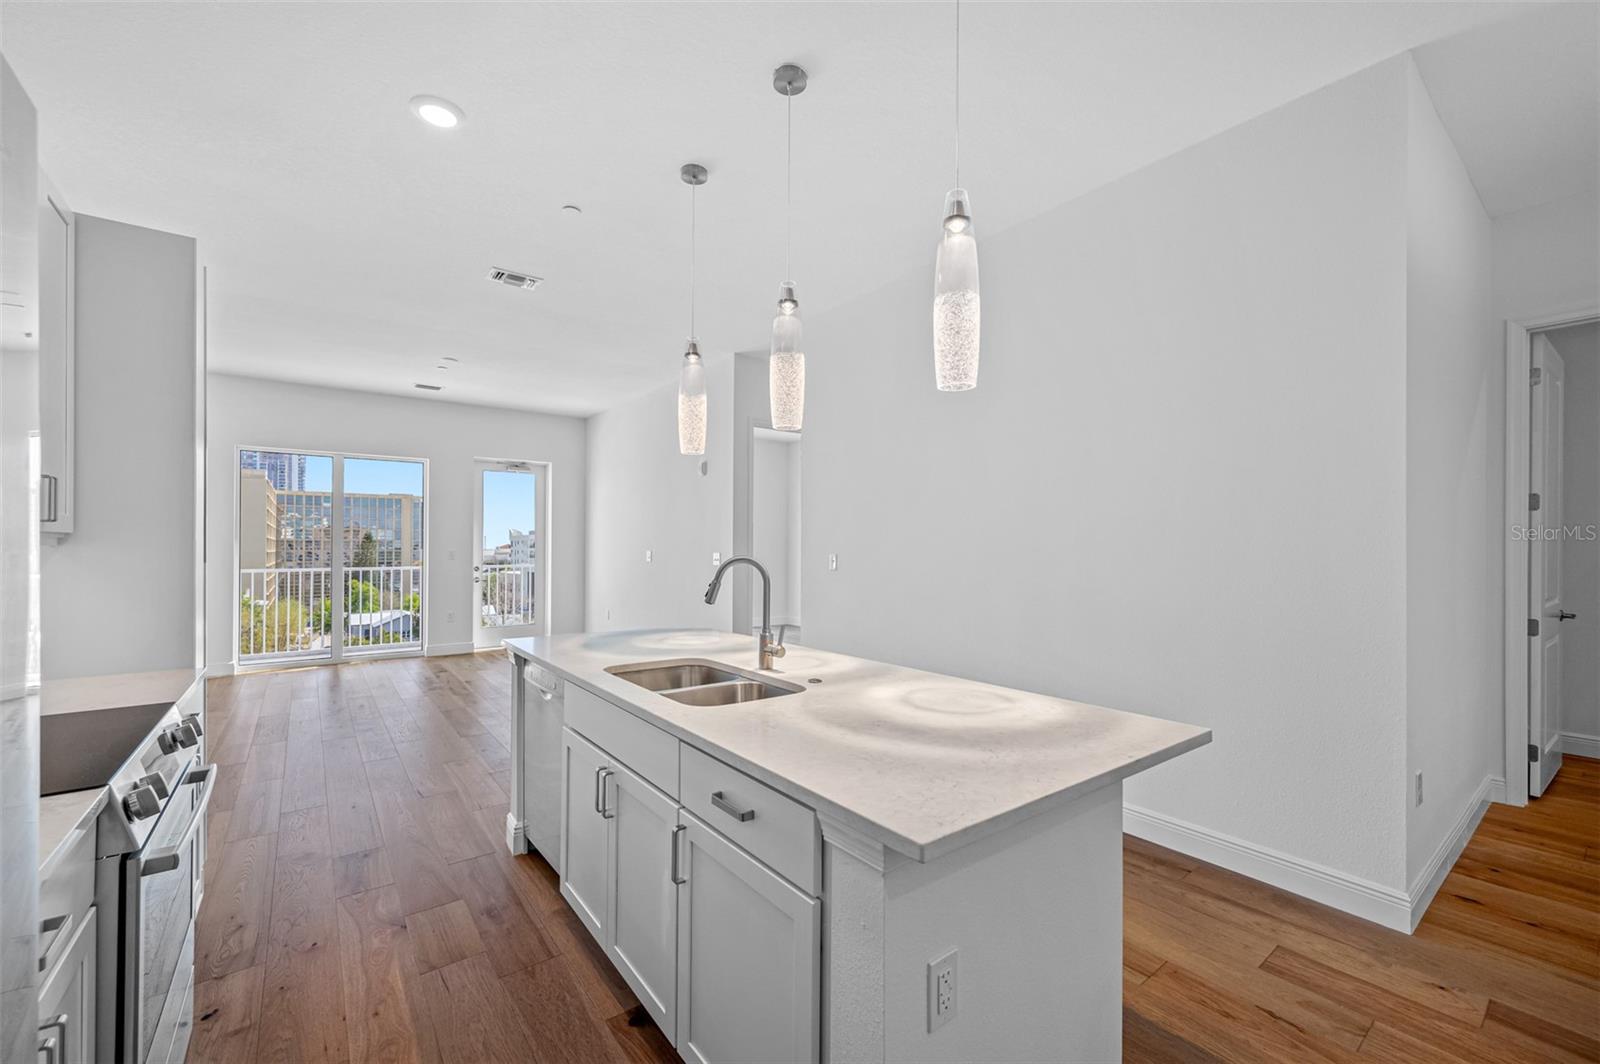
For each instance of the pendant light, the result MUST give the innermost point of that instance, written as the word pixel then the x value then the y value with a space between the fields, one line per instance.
pixel 692 377
pixel 955 277
pixel 786 368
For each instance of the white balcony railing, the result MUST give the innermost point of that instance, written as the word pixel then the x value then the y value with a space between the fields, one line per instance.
pixel 286 613
pixel 506 595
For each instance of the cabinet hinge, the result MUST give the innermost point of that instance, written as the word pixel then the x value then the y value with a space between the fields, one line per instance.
pixel 1533 626
pixel 1533 753
pixel 1536 375
pixel 1533 500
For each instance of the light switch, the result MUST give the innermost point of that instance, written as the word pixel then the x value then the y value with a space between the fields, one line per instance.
pixel 833 563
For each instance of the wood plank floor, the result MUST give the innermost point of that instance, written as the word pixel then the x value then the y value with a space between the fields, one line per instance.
pixel 360 906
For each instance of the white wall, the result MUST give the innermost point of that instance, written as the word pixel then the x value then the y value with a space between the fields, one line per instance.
pixel 1579 347
pixel 645 496
pixel 1179 487
pixel 1547 258
pixel 1453 551
pixel 250 413
pixel 775 492
pixel 119 593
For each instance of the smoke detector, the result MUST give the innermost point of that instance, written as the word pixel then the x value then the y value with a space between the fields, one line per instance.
pixel 513 278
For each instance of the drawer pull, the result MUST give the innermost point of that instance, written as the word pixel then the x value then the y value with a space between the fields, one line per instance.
pixel 56 927
pixel 60 1049
pixel 741 815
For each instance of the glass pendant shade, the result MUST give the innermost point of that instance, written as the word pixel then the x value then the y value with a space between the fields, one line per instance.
pixel 692 403
pixel 955 299
pixel 786 370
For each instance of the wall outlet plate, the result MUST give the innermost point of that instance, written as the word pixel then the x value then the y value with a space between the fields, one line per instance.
pixel 942 995
pixel 833 563
pixel 716 557
pixel 649 555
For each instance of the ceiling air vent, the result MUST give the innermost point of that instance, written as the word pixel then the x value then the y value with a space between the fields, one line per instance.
pixel 429 387
pixel 514 279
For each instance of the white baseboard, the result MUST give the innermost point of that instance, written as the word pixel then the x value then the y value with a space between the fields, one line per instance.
pixel 220 668
pixel 440 650
pixel 1432 875
pixel 1352 894
pixel 1579 745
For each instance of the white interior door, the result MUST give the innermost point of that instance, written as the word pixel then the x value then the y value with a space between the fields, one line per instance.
pixel 511 548
pixel 1544 569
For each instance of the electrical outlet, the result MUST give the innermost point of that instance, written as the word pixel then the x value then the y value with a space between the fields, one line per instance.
pixel 941 991
pixel 649 555
pixel 1419 786
pixel 833 563
pixel 716 557
pixel 450 616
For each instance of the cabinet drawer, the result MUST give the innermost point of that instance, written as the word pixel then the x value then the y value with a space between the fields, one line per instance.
pixel 645 748
pixel 65 895
pixel 776 829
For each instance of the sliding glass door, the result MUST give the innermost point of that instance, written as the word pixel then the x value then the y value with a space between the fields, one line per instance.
pixel 331 556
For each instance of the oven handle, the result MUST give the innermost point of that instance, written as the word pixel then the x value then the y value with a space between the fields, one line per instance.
pixel 168 857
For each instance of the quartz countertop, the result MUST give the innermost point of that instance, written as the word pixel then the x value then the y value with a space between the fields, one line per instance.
pixel 84 693
pixel 921 762
pixel 61 817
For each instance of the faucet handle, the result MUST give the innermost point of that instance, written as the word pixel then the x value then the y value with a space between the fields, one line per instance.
pixel 777 650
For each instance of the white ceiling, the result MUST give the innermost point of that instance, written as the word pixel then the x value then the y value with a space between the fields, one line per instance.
pixel 347 243
pixel 1521 100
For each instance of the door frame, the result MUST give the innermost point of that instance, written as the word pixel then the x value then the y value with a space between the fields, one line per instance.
pixel 1518 423
pixel 542 504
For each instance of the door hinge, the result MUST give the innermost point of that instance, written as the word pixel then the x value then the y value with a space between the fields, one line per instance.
pixel 1533 626
pixel 1535 375
pixel 1533 500
pixel 1533 753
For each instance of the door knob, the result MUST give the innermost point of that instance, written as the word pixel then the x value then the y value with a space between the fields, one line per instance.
pixel 1563 615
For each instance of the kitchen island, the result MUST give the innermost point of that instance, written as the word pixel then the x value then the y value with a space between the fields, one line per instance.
pixel 863 862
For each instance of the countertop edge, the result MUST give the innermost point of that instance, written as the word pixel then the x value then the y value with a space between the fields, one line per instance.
pixel 919 851
pixel 47 864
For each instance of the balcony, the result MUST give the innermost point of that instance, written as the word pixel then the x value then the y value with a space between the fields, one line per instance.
pixel 287 614
pixel 506 595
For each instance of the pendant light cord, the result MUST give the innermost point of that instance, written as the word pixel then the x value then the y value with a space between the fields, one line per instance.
pixel 788 184
pixel 958 93
pixel 692 226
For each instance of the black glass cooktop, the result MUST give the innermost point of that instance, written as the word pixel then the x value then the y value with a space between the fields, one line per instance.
pixel 82 750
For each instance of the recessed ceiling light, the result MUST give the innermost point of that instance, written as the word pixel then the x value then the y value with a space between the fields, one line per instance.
pixel 448 358
pixel 572 208
pixel 441 366
pixel 436 111
pixel 429 387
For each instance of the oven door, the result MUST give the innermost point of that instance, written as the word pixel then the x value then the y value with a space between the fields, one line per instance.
pixel 160 890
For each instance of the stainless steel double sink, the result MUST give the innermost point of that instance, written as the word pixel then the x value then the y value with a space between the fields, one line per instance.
pixel 696 682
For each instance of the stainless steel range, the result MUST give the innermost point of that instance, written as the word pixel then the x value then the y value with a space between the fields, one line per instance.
pixel 148 872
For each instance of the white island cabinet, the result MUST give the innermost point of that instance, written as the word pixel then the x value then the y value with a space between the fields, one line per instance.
pixel 784 879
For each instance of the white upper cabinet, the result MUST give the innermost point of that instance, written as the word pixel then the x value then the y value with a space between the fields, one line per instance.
pixel 56 406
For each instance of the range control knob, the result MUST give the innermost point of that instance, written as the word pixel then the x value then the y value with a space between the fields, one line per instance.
pixel 167 740
pixel 155 783
pixel 193 721
pixel 141 803
pixel 185 735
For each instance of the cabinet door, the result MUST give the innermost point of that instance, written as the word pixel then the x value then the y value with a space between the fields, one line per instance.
pixel 749 957
pixel 643 897
pixel 69 991
pixel 585 871
pixel 55 367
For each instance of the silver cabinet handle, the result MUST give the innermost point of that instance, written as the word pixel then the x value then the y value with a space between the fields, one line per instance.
pixel 600 805
pixel 673 874
pixel 732 810
pixel 47 1046
pixel 598 773
pixel 57 928
pixel 57 1047
pixel 49 480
